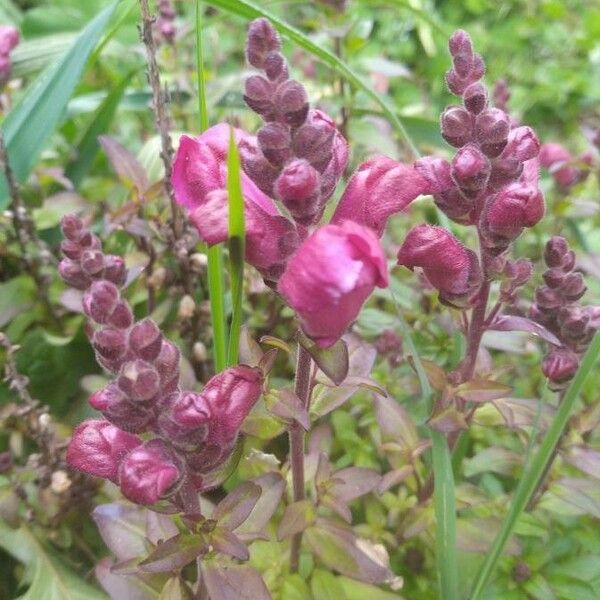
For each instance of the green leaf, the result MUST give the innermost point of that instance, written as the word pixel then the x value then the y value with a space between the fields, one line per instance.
pixel 532 477
pixel 249 10
pixel 325 586
pixel 357 590
pixel 237 241
pixel 236 507
pixel 48 577
pixel 29 125
pixel 296 518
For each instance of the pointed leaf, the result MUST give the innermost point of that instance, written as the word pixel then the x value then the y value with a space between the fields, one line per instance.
pixel 436 375
pixel 276 343
pixel 175 553
pixel 333 361
pixel 140 586
pixel 226 542
pixel 296 518
pixel 516 323
pixel 176 589
pixel 236 507
pixel 447 420
pixel 353 482
pixel 124 163
pixel 482 390
pixel 234 582
pixel 393 478
pixel 286 405
pixel 585 459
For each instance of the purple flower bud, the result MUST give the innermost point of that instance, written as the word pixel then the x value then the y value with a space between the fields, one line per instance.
pixel 547 299
pixel 71 226
pixel 100 300
pixel 276 68
pixel 554 277
pixel 184 420
pixel 436 172
pixel 139 380
pixel 110 343
pixel 492 127
pixel 574 321
pixel 298 188
pixel 573 287
pixel 314 140
pixel 167 365
pixel 519 271
pixel 258 168
pixel 121 317
pixel 475 98
pixel 457 126
pixel 448 265
pixel 114 270
pixel 73 274
pixel 470 170
pixel 275 140
pixel 456 206
pixel 522 144
pixel 556 249
pixel 92 262
pixel 461 49
pixel 97 448
pixel 149 473
pixel 262 39
pixel 558 160
pixel 504 171
pixel 560 365
pixel 145 339
pixel 330 276
pixel 71 249
pixel 259 96
pixel 208 458
pixel 117 409
pixel 291 102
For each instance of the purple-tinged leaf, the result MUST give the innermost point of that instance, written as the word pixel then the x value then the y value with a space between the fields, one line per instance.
pixel 125 164
pixel 585 459
pixel 159 527
pixel 142 586
pixel 522 413
pixel 341 551
pixel 296 518
pixel 226 542
pixel 338 506
pixel 287 406
pixel 275 342
pixel 333 361
pixel 272 486
pixel 176 589
pixel 435 374
pixel 476 535
pixel 393 478
pixel 353 482
pixel 234 582
pixel 515 323
pixel 366 383
pixel 395 423
pixel 582 495
pixel 447 420
pixel 250 352
pixel 175 553
pixel 267 362
pixel 482 390
pixel 236 507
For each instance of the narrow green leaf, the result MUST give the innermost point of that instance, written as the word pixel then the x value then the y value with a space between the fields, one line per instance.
pixel 29 125
pixel 531 478
pixel 249 10
pixel 214 253
pixel 88 145
pixel 236 247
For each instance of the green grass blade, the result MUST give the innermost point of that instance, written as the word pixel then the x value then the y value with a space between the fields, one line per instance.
pixel 531 479
pixel 214 253
pixel 236 247
pixel 443 493
pixel 88 145
pixel 29 125
pixel 249 10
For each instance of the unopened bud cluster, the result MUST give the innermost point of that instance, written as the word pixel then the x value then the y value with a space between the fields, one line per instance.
pixel 187 434
pixel 486 183
pixel 9 38
pixel 299 155
pixel 558 309
pixel 164 27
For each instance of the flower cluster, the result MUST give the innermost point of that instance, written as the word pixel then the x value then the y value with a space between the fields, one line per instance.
pixel 164 26
pixel 9 38
pixel 298 156
pixel 557 308
pixel 187 434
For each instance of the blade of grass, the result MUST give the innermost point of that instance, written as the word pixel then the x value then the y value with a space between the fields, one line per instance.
pixel 531 479
pixel 214 253
pixel 236 247
pixel 249 10
pixel 443 495
pixel 31 122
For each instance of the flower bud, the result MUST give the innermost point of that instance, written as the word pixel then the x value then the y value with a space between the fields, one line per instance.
pixel 71 226
pixel 114 270
pixel 208 458
pixel 259 96
pixel 379 188
pixel 259 169
pixel 139 380
pixel 456 206
pixel 574 321
pixel 448 265
pixel 73 275
pixel 492 127
pixel 274 140
pixel 110 343
pixel 92 262
pixel 100 300
pixel 145 339
pixel 149 473
pixel 291 102
pixel 560 365
pixel 330 276
pixel 556 250
pixel 461 49
pixel 573 287
pixel 558 160
pixel 314 140
pixel 121 317
pixel 475 98
pixel 276 68
pixel 522 144
pixel 504 171
pixel 97 448
pixel 554 277
pixel 519 271
pixel 262 39
pixel 298 188
pixel 436 172
pixel 470 170
pixel 457 126
pixel 184 420
pixel 167 365
pixel 71 249
pixel 547 299
pixel 117 409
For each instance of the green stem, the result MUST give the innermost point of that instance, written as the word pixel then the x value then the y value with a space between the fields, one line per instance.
pixel 530 480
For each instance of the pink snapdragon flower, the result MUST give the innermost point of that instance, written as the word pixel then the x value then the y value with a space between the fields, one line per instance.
pixel 330 276
pixel 379 188
pixel 559 161
pixel 450 267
